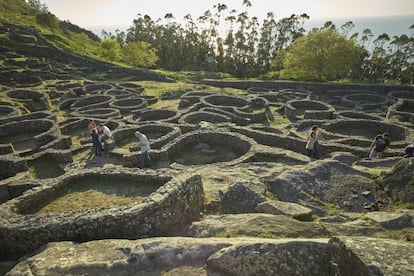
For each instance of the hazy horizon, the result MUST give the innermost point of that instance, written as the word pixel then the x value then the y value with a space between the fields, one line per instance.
pixel 391 25
pixel 123 12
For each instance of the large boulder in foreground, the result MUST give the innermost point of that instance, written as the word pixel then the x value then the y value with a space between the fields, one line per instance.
pixel 324 182
pixel 181 256
pixel 399 183
pixel 372 256
pixel 223 256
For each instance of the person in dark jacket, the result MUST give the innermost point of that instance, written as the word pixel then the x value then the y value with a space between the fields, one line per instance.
pixel 97 146
pixel 379 145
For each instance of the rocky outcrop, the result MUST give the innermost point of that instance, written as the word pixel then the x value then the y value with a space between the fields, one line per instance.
pixel 392 221
pixel 371 256
pixel 223 256
pixel 399 183
pixel 262 225
pixel 324 182
pixel 277 207
pixel 243 197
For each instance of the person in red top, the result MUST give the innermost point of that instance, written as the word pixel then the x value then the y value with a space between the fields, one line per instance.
pixel 91 126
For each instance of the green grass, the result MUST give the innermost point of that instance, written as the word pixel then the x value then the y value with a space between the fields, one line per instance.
pixel 19 13
pixel 279 120
pixel 403 235
pixel 95 192
pixel 189 76
pixel 226 234
pixel 154 88
pixel 408 205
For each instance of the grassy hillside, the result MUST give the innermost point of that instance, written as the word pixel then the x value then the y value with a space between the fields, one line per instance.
pixel 71 38
pixel 65 36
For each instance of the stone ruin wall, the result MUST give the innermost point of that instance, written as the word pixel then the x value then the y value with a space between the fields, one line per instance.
pixel 166 212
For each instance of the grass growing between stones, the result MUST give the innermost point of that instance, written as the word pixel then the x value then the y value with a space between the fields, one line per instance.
pixel 89 193
pixel 154 88
pixel 279 120
pixel 403 235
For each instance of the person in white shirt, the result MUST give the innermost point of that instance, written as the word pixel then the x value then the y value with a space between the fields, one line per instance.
pixel 144 146
pixel 105 133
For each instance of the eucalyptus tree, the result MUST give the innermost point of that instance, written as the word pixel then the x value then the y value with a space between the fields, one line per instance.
pixel 347 27
pixel 366 37
pixel 265 48
pixel 401 63
pixel 289 29
pixel 142 29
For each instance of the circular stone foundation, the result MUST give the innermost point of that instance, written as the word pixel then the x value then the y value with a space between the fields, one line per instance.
pixel 402 111
pixel 97 87
pixel 258 90
pixel 367 129
pixel 207 147
pixel 96 101
pixel 99 113
pixel 158 135
pixel 365 101
pixel 291 94
pixel 359 115
pixel 33 100
pixel 160 115
pixel 307 109
pixel 131 86
pixel 200 116
pixel 7 110
pixel 226 101
pixel 191 98
pixel 404 94
pixel 120 94
pixel 90 205
pixel 127 105
pixel 28 135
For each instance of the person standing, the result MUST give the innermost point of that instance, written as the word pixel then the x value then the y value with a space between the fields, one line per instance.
pixel 312 144
pixel 144 146
pixel 91 126
pixel 379 145
pixel 97 146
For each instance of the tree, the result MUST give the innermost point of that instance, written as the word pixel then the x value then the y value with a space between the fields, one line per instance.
pixel 37 5
pixel 110 49
pixel 321 55
pixel 48 20
pixel 139 54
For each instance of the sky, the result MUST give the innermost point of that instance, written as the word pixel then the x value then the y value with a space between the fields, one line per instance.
pixel 93 14
pixel 123 12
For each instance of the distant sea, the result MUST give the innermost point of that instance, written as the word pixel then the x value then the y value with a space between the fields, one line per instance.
pixel 391 25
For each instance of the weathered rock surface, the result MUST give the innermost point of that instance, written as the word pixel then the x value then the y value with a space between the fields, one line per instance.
pixel 372 256
pixel 175 256
pixel 283 257
pixel 277 207
pixel 254 225
pixel 322 182
pixel 392 221
pixel 399 183
pixel 223 256
pixel 243 197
